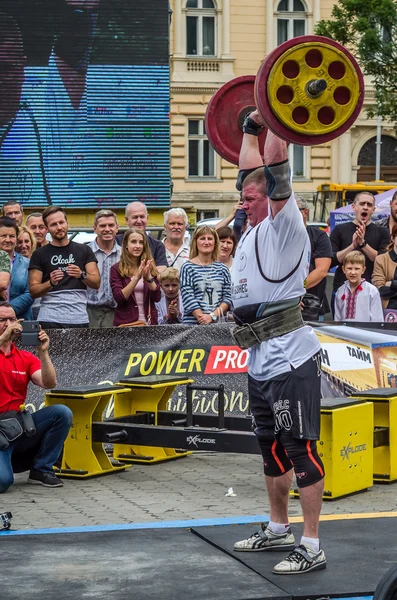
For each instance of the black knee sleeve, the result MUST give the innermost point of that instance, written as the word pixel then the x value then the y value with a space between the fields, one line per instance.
pixel 304 457
pixel 275 460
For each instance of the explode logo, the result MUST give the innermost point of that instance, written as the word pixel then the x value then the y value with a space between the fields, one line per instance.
pixel 196 439
pixel 346 451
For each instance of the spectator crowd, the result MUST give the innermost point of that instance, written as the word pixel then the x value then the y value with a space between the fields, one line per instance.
pixel 132 279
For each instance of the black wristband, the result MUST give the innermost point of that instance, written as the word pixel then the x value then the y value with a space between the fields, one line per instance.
pixel 362 245
pixel 150 280
pixel 252 127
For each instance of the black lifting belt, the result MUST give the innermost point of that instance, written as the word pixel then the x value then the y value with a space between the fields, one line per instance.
pixel 287 318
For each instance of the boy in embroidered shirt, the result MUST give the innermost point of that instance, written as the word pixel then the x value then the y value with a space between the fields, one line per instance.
pixel 357 299
pixel 170 309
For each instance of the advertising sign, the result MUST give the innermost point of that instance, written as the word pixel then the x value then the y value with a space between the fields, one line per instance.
pixel 352 360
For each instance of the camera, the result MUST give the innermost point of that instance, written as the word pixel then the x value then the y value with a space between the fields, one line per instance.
pixel 5 521
pixel 30 333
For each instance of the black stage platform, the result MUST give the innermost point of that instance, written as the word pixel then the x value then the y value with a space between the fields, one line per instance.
pixel 190 564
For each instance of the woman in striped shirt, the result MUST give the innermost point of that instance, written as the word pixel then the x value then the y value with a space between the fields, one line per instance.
pixel 205 283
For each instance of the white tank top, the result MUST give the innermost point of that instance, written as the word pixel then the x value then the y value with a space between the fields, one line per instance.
pixel 282 241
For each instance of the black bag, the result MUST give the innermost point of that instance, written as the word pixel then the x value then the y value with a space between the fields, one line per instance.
pixel 311 307
pixel 10 428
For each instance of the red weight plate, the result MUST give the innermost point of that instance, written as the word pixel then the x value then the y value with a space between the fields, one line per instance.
pixel 225 114
pixel 261 98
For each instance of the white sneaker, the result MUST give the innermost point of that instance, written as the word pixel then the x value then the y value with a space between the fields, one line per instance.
pixel 301 560
pixel 265 539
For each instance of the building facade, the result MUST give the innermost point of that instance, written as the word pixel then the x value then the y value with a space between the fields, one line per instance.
pixel 213 41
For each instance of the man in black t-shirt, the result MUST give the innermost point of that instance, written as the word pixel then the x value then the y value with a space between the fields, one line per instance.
pixel 320 262
pixel 59 274
pixel 361 235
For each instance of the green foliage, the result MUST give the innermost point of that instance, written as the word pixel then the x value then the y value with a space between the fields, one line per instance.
pixel 368 29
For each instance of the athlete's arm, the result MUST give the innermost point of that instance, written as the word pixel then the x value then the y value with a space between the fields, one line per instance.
pixel 276 153
pixel 250 156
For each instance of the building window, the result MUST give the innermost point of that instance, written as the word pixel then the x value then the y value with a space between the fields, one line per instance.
pixel 297 160
pixel 200 28
pixel 201 153
pixel 291 20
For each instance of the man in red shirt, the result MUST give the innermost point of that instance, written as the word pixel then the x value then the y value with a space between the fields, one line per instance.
pixel 17 368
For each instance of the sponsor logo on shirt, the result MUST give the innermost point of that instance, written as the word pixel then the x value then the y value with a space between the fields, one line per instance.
pixel 59 260
pixel 242 261
pixel 240 289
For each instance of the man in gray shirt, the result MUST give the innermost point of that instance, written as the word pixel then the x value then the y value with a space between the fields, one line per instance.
pixel 101 303
pixel 60 273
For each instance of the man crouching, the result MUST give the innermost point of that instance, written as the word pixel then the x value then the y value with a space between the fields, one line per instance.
pixel 19 452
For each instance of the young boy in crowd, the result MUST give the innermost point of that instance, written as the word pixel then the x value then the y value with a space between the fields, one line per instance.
pixel 170 307
pixel 357 299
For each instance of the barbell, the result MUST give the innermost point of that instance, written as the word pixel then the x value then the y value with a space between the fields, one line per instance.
pixel 309 91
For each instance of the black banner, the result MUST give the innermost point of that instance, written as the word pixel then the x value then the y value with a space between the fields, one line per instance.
pixel 206 354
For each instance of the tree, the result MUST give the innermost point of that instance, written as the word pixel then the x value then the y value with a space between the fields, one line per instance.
pixel 367 29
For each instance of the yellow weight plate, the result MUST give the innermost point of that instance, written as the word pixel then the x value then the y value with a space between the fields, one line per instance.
pixel 295 107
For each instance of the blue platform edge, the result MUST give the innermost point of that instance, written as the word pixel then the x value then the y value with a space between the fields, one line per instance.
pixel 145 525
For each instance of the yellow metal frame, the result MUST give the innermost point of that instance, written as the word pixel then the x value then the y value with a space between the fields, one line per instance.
pixel 83 458
pixel 151 398
pixel 301 98
pixel 385 456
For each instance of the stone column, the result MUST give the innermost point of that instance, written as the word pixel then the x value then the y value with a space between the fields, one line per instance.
pixel 271 27
pixel 345 158
pixel 177 22
pixel 226 29
pixel 316 13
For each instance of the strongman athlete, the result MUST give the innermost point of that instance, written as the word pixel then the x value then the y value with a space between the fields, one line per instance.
pixel 269 270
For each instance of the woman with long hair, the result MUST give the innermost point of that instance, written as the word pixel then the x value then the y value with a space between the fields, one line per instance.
pixel 134 282
pixel 205 282
pixel 384 276
pixel 227 246
pixel 26 243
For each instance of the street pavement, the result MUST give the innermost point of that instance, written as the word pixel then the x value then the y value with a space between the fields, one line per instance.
pixel 194 487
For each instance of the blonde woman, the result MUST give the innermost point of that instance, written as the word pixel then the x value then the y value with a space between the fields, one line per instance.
pixel 26 243
pixel 205 282
pixel 134 282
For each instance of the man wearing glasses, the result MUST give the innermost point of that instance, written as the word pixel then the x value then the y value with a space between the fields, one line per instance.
pixel 40 451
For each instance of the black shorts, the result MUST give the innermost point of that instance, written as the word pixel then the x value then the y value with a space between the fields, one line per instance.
pixel 290 402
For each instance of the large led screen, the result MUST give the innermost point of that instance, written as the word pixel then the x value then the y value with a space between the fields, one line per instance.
pixel 84 102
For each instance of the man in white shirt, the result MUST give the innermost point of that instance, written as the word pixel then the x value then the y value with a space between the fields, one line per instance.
pixel 175 225
pixel 270 267
pixel 100 302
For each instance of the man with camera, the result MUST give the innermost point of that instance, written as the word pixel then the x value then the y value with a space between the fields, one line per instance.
pixel 27 441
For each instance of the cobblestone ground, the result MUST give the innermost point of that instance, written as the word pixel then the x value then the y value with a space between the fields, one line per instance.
pixel 194 487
